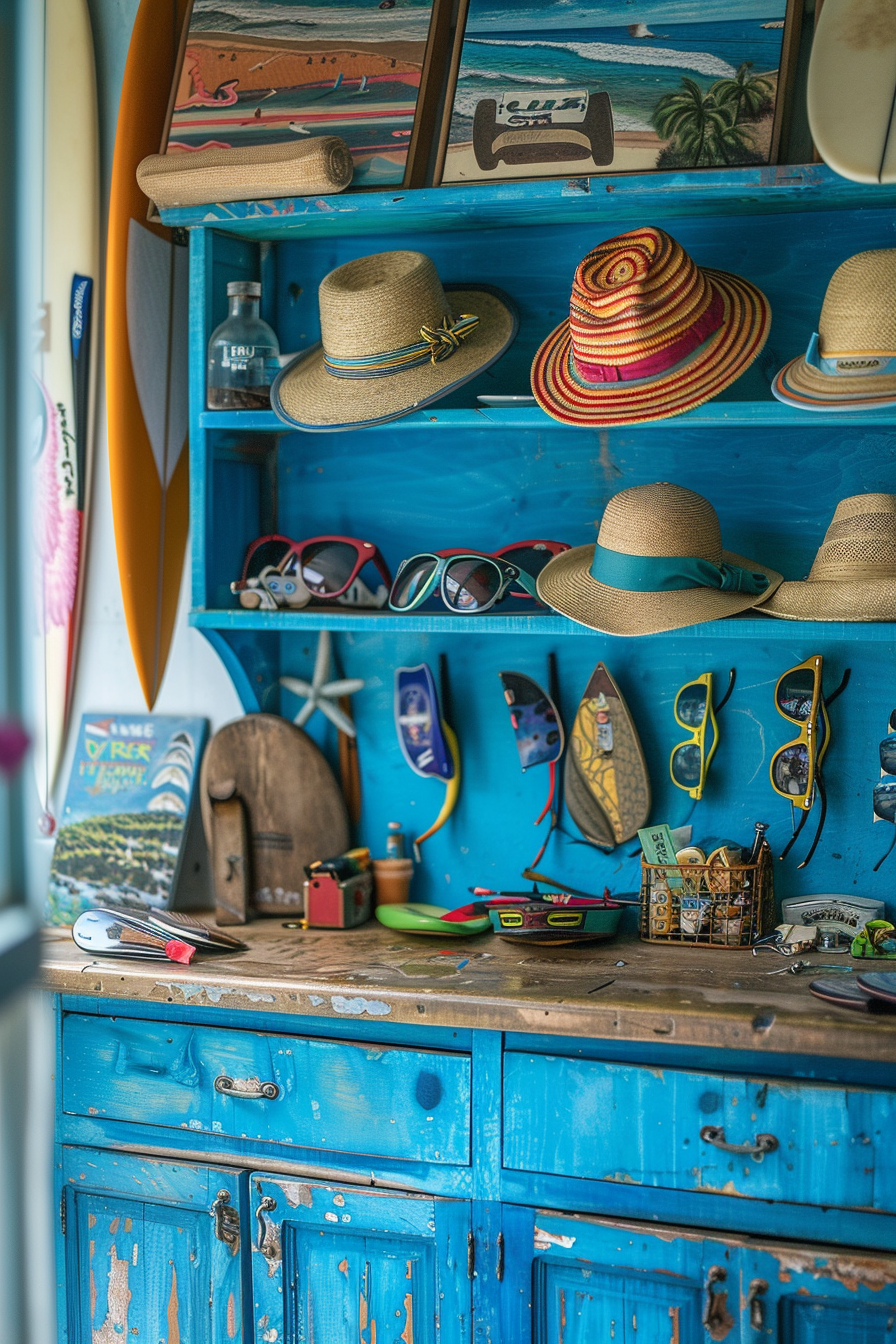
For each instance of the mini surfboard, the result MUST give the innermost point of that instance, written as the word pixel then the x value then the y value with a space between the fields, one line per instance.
pixel 146 356
pixel 66 368
pixel 606 781
pixel 851 90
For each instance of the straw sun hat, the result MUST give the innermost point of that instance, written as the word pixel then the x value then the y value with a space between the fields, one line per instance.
pixel 650 334
pixel 393 339
pixel 853 577
pixel 658 565
pixel 851 359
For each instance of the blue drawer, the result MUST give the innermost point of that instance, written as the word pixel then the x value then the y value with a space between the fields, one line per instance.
pixel 673 1129
pixel 377 1100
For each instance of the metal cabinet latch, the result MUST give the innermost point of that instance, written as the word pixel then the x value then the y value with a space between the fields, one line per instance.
pixel 471 1255
pixel 227 1220
pixel 762 1144
pixel 717 1319
pixel 265 1204
pixel 499 1267
pixel 755 1304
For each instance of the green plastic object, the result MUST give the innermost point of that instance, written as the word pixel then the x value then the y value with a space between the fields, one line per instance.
pixel 415 918
pixel 541 923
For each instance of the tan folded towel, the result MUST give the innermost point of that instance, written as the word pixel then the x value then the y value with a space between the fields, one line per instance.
pixel 315 167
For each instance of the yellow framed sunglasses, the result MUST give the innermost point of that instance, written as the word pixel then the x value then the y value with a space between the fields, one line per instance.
pixel 694 710
pixel 798 699
pixel 795 769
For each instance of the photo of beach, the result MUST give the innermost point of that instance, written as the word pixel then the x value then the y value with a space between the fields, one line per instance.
pixel 682 84
pixel 281 70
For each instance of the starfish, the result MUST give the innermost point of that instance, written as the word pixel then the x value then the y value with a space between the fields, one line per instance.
pixel 320 693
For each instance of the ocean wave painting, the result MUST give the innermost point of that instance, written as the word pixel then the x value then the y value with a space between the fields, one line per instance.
pixel 279 70
pixel 657 68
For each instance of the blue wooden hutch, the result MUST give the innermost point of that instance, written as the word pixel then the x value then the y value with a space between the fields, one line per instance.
pixel 513 1147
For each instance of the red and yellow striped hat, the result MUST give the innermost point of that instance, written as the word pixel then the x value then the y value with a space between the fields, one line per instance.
pixel 650 334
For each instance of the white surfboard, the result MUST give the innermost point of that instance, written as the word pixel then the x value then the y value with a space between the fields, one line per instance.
pixel 851 89
pixel 70 270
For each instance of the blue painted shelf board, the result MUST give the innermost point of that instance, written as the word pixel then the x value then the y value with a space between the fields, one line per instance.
pixel 635 196
pixel 712 415
pixel 738 627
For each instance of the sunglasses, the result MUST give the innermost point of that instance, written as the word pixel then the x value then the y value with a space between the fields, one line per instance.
pixel 469 582
pixel 795 768
pixel 531 557
pixel 279 572
pixel 883 798
pixel 694 711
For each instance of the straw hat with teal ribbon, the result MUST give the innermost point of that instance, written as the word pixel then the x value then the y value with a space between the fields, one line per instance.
pixel 393 339
pixel 658 565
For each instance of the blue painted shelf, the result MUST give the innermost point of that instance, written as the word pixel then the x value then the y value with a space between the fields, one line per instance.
pixel 635 196
pixel 713 415
pixel 546 623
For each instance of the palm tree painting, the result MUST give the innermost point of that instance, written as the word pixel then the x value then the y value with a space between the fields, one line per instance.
pixel 712 129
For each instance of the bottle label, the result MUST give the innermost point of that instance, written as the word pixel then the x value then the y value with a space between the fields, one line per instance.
pixel 237 357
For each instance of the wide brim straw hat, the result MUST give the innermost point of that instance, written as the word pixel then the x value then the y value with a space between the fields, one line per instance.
pixel 853 576
pixel 650 335
pixel 652 535
pixel 851 360
pixel 393 340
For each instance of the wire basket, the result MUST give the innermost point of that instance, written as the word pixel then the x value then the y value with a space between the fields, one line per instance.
pixel 708 906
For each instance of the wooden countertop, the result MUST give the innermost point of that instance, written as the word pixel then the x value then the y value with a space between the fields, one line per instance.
pixel 682 995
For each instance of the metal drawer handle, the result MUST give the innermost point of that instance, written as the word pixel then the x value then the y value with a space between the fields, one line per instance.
pixel 247 1089
pixel 265 1204
pixel 762 1144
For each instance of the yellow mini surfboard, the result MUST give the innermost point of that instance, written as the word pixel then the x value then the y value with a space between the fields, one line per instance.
pixel 146 356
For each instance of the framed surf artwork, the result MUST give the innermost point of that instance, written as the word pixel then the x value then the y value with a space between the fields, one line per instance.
pixel 561 88
pixel 371 73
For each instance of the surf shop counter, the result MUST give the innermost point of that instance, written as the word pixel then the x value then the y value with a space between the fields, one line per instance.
pixel 352 1128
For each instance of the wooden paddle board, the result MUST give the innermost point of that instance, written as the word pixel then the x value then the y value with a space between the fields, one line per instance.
pixel 294 811
pixel 851 89
pixel 66 368
pixel 146 356
pixel 606 781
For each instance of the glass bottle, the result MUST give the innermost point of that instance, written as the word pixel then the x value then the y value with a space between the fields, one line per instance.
pixel 242 354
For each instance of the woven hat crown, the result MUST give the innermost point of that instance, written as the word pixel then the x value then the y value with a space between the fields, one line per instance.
pixel 634 295
pixel 861 540
pixel 858 315
pixel 661 519
pixel 379 303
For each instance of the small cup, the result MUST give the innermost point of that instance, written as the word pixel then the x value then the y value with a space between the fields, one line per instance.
pixel 392 880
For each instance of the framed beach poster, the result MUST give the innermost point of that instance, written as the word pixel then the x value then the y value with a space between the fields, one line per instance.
pixel 548 88
pixel 258 72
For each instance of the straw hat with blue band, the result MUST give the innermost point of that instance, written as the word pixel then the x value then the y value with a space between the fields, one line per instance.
pixel 850 363
pixel 658 564
pixel 393 339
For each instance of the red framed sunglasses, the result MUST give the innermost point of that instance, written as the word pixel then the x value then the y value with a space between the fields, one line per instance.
pixel 328 566
pixel 530 556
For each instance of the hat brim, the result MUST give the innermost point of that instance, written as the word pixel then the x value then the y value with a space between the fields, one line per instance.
pixel 307 396
pixel 566 585
pixel 713 367
pixel 799 384
pixel 834 600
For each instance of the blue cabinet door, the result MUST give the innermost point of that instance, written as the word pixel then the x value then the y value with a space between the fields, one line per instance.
pixel 341 1265
pixel 152 1250
pixel 594 1279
